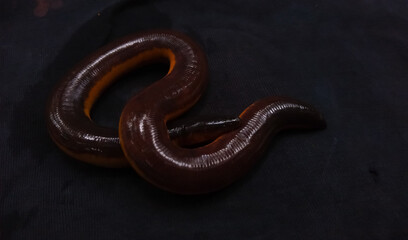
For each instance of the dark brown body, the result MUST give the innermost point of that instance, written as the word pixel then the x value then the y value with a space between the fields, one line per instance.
pixel 143 133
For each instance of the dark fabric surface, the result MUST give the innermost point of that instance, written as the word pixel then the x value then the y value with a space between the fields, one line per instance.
pixel 348 58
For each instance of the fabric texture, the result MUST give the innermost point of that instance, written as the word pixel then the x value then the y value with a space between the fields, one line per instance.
pixel 347 58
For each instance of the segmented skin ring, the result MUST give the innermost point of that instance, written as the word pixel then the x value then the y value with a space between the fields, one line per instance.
pixel 157 153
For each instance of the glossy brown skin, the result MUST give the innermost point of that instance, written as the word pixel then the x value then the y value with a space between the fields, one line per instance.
pixel 148 147
pixel 143 133
pixel 68 111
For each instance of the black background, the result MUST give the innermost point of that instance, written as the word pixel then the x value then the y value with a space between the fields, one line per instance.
pixel 348 58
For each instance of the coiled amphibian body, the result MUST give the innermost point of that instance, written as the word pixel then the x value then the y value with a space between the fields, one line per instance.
pixel 155 152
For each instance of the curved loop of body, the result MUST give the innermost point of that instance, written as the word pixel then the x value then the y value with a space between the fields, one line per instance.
pixel 142 130
pixel 68 110
pixel 155 152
